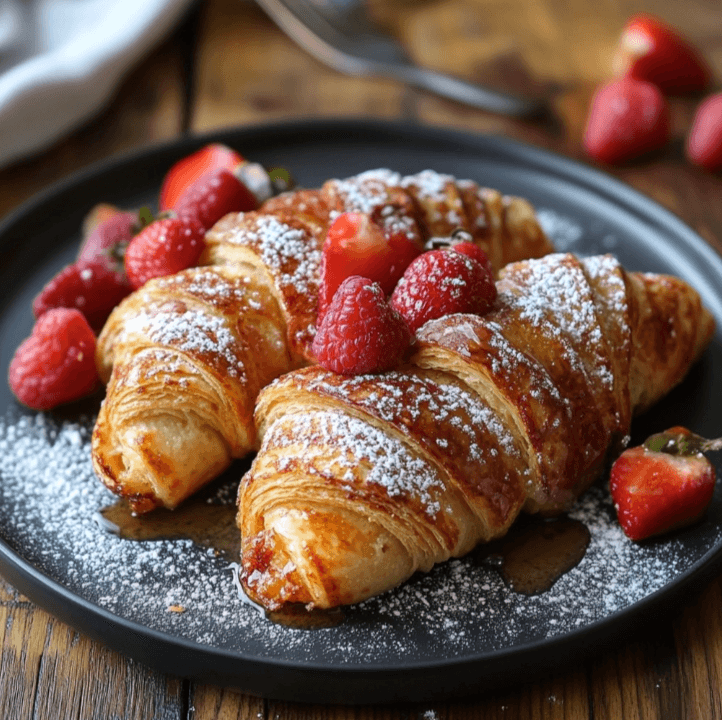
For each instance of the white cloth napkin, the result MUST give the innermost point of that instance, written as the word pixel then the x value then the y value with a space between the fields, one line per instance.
pixel 61 60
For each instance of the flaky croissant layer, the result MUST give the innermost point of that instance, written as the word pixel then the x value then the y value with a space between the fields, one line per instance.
pixel 361 481
pixel 185 357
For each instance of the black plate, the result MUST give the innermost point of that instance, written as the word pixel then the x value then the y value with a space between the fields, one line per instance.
pixel 455 631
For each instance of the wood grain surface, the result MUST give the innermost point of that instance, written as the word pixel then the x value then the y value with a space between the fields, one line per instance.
pixel 228 65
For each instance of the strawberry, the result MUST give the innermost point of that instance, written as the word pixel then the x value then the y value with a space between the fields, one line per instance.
pixel 358 245
pixel 212 196
pixel 165 247
pixel 186 171
pixel 86 285
pixel 627 118
pixel 650 50
pixel 704 143
pixel 472 250
pixel 56 364
pixel 360 332
pixel 664 484
pixel 441 282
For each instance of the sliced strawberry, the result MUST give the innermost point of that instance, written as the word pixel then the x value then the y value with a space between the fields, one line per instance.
pixel 88 286
pixel 212 196
pixel 358 245
pixel 56 364
pixel 664 484
pixel 186 171
pixel 653 51
pixel 360 332
pixel 628 118
pixel 704 143
pixel 165 247
pixel 441 282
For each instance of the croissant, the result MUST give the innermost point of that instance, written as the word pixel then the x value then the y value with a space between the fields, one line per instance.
pixel 361 481
pixel 185 357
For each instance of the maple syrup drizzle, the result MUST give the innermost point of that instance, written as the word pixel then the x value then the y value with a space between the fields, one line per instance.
pixel 536 553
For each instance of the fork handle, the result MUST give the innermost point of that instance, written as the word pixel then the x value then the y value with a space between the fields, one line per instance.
pixel 454 88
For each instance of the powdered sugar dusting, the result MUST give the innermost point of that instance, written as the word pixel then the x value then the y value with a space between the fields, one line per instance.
pixel 48 495
pixel 553 287
pixel 564 232
pixel 390 464
pixel 192 331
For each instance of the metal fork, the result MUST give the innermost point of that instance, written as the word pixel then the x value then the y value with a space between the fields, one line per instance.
pixel 339 33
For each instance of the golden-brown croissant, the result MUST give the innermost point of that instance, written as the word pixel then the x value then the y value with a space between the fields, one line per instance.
pixel 361 481
pixel 186 356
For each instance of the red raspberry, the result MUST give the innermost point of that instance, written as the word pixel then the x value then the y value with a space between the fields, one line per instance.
pixel 704 144
pixel 56 364
pixel 186 171
pixel 88 286
pixel 110 232
pixel 357 245
pixel 165 247
pixel 628 118
pixel 360 333
pixel 212 196
pixel 441 282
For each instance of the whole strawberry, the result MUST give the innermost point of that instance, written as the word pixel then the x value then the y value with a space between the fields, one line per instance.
pixel 56 364
pixel 87 285
pixel 187 170
pixel 109 231
pixel 628 118
pixel 165 247
pixel 653 51
pixel 212 196
pixel 358 245
pixel 704 143
pixel 441 282
pixel 664 484
pixel 472 250
pixel 360 333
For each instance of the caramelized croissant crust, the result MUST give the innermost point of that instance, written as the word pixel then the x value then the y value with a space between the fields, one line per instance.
pixel 361 481
pixel 185 357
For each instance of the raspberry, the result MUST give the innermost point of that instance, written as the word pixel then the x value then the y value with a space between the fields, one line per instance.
pixel 56 364
pixel 441 282
pixel 187 170
pixel 358 245
pixel 165 247
pixel 88 286
pixel 212 196
pixel 360 333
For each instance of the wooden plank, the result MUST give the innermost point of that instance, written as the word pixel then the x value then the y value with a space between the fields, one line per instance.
pixel 249 72
pixel 210 702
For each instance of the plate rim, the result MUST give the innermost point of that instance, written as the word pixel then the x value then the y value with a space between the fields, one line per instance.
pixel 599 182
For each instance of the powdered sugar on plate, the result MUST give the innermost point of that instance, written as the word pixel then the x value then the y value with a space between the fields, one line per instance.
pixel 49 495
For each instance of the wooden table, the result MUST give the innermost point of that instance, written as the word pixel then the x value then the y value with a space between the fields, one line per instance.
pixel 229 65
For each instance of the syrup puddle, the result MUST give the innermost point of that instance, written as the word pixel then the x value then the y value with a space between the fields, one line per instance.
pixel 210 526
pixel 536 553
pixel 533 555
